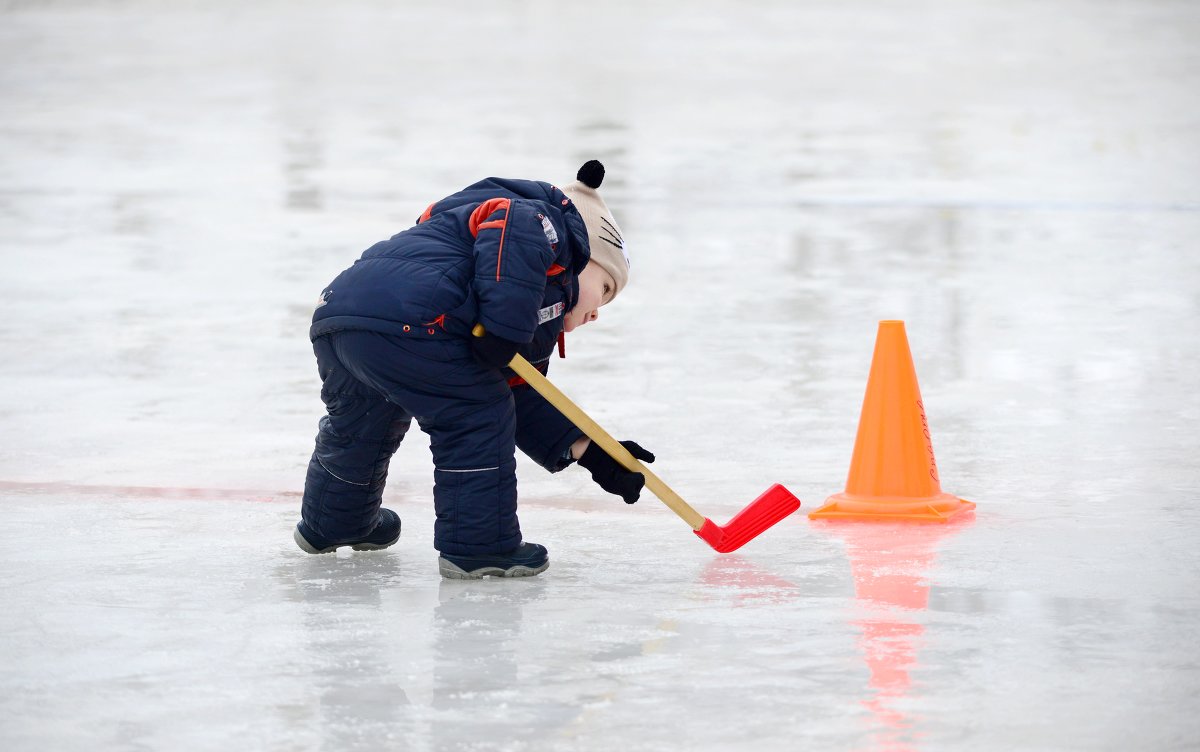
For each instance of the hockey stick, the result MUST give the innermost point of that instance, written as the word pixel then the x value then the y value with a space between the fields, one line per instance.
pixel 772 506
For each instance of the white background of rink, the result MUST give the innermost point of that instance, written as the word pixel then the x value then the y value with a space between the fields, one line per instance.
pixel 1017 181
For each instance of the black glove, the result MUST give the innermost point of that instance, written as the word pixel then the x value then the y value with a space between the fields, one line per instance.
pixel 611 475
pixel 493 351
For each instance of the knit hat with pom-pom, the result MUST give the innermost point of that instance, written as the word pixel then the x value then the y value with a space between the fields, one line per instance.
pixel 604 236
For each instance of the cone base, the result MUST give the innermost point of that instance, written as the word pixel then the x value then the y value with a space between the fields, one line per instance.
pixel 937 509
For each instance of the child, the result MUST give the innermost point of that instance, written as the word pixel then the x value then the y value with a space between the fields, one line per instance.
pixel 392 336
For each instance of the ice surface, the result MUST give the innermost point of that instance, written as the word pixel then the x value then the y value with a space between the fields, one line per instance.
pixel 1019 182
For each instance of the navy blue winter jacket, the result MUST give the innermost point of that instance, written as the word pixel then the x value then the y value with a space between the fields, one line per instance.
pixel 504 253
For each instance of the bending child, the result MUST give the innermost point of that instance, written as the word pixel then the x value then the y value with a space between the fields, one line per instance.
pixel 392 337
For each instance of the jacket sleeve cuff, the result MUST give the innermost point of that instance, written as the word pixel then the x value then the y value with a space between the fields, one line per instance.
pixel 543 433
pixel 561 451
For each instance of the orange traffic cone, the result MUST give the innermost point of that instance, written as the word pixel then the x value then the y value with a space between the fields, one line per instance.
pixel 893 475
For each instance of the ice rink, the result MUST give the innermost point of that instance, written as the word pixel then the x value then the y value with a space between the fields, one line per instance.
pixel 1018 180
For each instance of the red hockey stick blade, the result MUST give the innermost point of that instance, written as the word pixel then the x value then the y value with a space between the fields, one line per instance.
pixel 775 503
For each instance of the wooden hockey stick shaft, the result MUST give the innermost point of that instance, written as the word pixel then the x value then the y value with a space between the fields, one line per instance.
pixel 596 433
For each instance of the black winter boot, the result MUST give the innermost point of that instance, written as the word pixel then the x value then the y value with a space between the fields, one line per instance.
pixel 386 532
pixel 526 560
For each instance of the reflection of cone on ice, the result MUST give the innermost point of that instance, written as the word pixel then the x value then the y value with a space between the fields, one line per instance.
pixel 893 474
pixel 890 565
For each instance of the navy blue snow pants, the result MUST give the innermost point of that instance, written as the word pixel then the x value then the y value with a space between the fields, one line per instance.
pixel 373 385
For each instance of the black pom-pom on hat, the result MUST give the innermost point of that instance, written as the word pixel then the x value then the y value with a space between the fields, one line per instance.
pixel 591 174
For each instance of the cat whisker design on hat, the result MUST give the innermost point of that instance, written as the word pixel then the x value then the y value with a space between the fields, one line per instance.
pixel 605 241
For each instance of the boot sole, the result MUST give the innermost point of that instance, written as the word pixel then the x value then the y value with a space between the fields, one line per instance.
pixel 311 549
pixel 452 571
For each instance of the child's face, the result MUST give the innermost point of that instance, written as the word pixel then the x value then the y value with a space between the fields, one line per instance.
pixel 596 288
